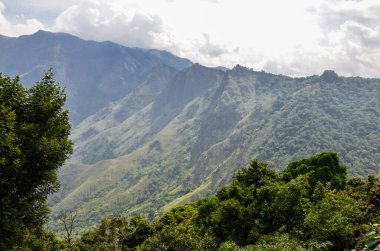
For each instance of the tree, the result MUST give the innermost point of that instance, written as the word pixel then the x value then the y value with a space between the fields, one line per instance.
pixel 257 174
pixel 334 219
pixel 246 182
pixel 116 233
pixel 282 242
pixel 67 221
pixel 230 222
pixel 280 205
pixel 324 167
pixel 179 237
pixel 34 143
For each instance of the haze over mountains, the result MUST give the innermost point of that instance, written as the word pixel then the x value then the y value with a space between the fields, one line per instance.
pixel 154 130
pixel 93 73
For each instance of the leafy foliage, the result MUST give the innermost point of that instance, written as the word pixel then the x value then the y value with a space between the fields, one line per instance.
pixel 180 237
pixel 34 143
pixel 260 210
pixel 115 233
pixel 372 238
pixel 324 167
pixel 277 242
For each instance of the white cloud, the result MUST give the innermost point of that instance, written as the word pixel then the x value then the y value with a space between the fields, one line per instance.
pixel 333 14
pixel 214 50
pixel 101 20
pixel 358 49
pixel 347 40
pixel 25 26
pixel 295 37
pixel 351 42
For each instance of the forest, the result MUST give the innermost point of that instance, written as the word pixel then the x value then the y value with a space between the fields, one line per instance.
pixel 310 205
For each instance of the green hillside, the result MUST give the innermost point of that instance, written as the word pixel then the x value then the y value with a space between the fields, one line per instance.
pixel 186 137
pixel 311 205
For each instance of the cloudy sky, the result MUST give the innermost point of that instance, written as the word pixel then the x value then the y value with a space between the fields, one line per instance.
pixel 293 37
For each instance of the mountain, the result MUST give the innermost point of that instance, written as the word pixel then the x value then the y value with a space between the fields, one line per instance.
pixel 182 134
pixel 152 130
pixel 94 73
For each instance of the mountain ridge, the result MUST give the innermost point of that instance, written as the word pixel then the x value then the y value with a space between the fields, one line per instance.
pixel 227 119
pixel 153 131
pixel 93 73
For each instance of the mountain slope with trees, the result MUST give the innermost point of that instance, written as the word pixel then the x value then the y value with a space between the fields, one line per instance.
pixel 188 138
pixel 153 131
pixel 311 205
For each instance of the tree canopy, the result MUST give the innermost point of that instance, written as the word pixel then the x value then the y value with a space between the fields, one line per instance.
pixel 34 143
pixel 301 208
pixel 324 167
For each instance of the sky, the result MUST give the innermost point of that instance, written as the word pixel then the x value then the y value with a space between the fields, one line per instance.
pixel 293 37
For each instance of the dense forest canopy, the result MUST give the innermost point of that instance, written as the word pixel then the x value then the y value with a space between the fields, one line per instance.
pixel 311 205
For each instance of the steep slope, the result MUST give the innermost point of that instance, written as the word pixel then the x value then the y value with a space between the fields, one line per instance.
pixel 94 73
pixel 192 134
pixel 108 126
pixel 156 156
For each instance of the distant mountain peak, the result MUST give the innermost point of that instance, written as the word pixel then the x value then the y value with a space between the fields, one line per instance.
pixel 198 66
pixel 94 73
pixel 43 32
pixel 329 76
pixel 196 69
pixel 241 69
pixel 222 68
pixel 49 33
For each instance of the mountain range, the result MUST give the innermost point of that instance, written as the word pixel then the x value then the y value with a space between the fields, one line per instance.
pixel 152 130
pixel 93 73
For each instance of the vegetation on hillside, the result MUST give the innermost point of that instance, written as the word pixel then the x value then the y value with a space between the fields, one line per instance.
pixel 311 205
pixel 162 147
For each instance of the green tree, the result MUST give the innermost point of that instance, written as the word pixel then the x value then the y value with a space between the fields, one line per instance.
pixel 38 239
pixel 334 219
pixel 256 173
pixel 281 205
pixel 180 237
pixel 246 182
pixel 116 233
pixel 34 143
pixel 230 222
pixel 277 242
pixel 369 192
pixel 324 167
